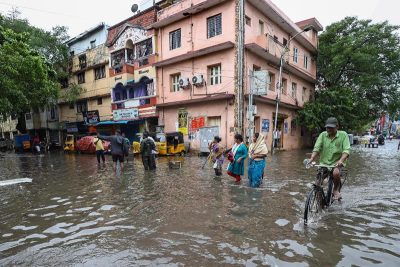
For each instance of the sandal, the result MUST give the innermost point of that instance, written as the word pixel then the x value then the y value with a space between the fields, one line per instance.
pixel 337 196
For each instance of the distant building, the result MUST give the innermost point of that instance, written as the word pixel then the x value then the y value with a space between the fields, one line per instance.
pixel 132 49
pixel 197 67
pixel 8 127
pixel 88 69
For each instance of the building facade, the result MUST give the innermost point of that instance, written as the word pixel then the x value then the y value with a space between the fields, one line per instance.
pixel 44 122
pixel 132 48
pixel 197 68
pixel 88 69
pixel 8 127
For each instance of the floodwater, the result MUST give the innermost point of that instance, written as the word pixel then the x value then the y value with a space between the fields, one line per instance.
pixel 78 214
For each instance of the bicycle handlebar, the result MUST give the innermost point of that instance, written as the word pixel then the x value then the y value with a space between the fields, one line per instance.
pixel 309 164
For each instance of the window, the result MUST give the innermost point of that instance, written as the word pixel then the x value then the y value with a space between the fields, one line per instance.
pixel 295 54
pixel 82 61
pixel 53 113
pixel 304 95
pixel 272 80
pixel 145 48
pixel 28 116
pixel 214 73
pixel 284 86
pixel 175 39
pixel 214 121
pixel 71 105
pixel 93 43
pixel 99 101
pixel 284 42
pixel 100 73
pixel 81 106
pixel 248 21
pixel 294 91
pixel 175 82
pixel 260 27
pixel 81 77
pixel 305 61
pixel 64 82
pixel 214 26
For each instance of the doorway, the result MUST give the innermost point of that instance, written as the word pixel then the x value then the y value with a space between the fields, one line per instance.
pixel 278 142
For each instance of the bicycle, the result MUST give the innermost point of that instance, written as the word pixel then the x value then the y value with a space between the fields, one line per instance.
pixel 317 200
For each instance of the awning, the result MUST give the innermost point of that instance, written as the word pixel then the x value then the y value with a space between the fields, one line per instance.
pixel 112 122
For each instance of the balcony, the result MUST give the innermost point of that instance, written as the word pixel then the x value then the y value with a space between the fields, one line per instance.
pixel 270 49
pixel 89 59
pixel 134 95
pixel 181 9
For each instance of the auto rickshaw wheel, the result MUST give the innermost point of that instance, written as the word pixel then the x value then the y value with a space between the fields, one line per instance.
pixel 182 153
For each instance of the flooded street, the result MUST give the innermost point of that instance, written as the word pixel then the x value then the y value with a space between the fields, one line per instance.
pixel 76 213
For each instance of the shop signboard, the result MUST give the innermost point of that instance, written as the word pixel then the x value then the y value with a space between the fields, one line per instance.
pixel 71 127
pixel 126 114
pixel 197 122
pixel 132 103
pixel 265 125
pixel 91 117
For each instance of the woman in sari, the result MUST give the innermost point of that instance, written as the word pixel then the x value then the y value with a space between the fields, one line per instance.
pixel 217 153
pixel 239 154
pixel 257 153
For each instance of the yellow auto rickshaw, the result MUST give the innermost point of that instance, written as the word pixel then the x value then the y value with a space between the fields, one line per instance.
pixel 174 144
pixel 159 140
pixel 166 144
pixel 70 142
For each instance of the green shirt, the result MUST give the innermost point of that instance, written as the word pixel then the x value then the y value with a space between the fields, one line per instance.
pixel 331 150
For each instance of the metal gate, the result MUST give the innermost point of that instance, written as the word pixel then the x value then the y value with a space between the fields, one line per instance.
pixel 207 136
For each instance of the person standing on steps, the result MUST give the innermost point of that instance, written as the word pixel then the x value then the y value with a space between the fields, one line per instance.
pixel 237 157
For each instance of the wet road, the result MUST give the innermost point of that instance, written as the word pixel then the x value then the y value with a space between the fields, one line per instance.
pixel 75 213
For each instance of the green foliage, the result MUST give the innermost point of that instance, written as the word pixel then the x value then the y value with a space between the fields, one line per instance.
pixel 72 93
pixel 51 45
pixel 33 62
pixel 24 75
pixel 358 74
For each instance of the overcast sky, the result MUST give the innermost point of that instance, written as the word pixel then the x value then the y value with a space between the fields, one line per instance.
pixel 79 15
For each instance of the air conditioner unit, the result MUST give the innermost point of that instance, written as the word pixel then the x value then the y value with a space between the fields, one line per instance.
pixel 198 80
pixel 184 83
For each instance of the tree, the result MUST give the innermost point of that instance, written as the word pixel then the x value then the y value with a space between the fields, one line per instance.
pixel 358 74
pixel 50 44
pixel 25 75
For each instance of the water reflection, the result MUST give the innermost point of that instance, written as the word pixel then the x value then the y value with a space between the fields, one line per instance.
pixel 76 212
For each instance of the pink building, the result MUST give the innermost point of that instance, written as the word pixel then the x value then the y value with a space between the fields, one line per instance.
pixel 196 68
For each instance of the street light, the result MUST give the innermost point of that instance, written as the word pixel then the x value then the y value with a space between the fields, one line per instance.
pixel 278 96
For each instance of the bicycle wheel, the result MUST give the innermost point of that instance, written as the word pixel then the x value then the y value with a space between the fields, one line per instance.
pixel 329 198
pixel 314 205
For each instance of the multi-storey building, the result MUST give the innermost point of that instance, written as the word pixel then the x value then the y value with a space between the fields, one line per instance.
pixel 132 77
pixel 88 71
pixel 8 127
pixel 44 122
pixel 197 67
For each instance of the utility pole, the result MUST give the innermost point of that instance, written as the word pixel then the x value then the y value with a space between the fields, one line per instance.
pixel 239 104
pixel 250 109
pixel 279 86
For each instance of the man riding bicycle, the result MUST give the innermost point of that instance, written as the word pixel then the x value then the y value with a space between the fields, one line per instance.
pixel 333 148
